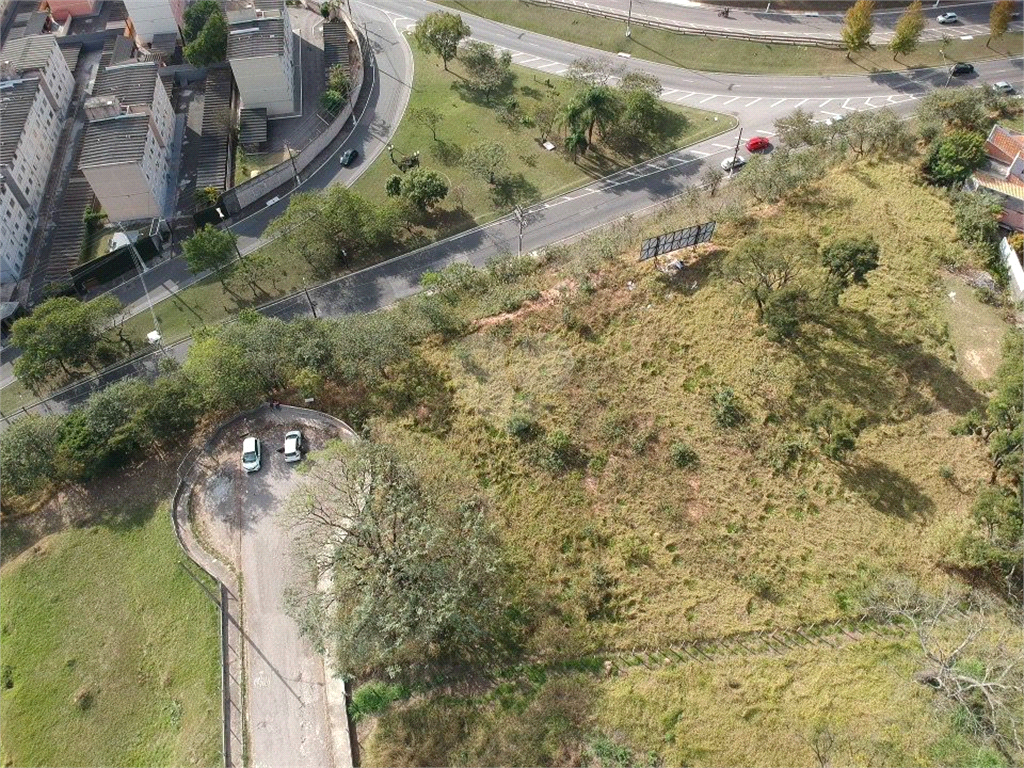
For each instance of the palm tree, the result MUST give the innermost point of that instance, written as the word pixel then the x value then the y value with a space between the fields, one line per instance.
pixel 597 105
pixel 576 143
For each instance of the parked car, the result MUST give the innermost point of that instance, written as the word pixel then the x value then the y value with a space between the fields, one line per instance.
pixel 1004 87
pixel 348 156
pixel 252 454
pixel 731 164
pixel 758 144
pixel 961 68
pixel 293 446
pixel 947 18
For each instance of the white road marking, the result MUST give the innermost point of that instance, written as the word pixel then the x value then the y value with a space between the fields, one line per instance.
pixel 800 104
pixel 707 98
pixel 753 102
pixel 779 102
pixel 730 101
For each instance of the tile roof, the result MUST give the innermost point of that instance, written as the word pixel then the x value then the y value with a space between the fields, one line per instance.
pixel 1010 186
pixel 17 97
pixel 132 83
pixel 252 126
pixel 253 39
pixel 1004 144
pixel 28 53
pixel 117 140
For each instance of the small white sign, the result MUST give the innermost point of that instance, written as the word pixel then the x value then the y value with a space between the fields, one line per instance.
pixel 625 55
pixel 548 146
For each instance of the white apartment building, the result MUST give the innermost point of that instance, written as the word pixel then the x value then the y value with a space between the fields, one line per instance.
pixel 126 150
pixel 155 17
pixel 260 52
pixel 33 102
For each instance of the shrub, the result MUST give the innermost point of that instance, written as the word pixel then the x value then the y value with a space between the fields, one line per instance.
pixel 559 452
pixel 727 409
pixel 683 455
pixel 522 427
pixel 373 698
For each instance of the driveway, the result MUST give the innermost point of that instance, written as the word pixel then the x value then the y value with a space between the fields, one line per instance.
pixel 294 712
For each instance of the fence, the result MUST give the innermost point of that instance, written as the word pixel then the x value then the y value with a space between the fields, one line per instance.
pixel 245 194
pixel 1013 266
pixel 686 29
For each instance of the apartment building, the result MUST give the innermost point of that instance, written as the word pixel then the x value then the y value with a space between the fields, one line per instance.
pixel 260 49
pixel 34 98
pixel 126 150
pixel 155 17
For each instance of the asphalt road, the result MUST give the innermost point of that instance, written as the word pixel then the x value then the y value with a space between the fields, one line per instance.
pixel 756 101
pixel 973 19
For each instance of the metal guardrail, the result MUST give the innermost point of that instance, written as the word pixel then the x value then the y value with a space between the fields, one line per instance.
pixel 646 21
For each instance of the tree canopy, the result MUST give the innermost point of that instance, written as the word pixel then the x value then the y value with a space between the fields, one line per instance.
pixel 1000 17
pixel 908 31
pixel 440 33
pixel 205 34
pixel 857 26
pixel 210 248
pixel 486 159
pixel 488 70
pixel 954 157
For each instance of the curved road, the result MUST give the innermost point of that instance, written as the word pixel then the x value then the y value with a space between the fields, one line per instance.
pixel 756 100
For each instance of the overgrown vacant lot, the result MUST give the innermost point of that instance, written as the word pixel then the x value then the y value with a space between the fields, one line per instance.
pixel 570 411
pixel 110 649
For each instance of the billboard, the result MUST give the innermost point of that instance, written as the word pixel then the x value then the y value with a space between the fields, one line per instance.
pixel 673 241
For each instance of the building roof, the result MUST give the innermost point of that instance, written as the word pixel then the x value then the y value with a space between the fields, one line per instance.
pixel 116 140
pixel 71 52
pixel 17 97
pixel 1010 186
pixel 29 53
pixel 257 38
pixel 252 126
pixel 1004 144
pixel 1012 219
pixel 124 47
pixel 132 83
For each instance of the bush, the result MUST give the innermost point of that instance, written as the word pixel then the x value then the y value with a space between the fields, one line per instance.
pixel 727 409
pixel 373 698
pixel 559 452
pixel 522 427
pixel 954 157
pixel 683 455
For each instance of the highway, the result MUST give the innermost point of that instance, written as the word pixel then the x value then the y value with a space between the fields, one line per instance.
pixel 755 100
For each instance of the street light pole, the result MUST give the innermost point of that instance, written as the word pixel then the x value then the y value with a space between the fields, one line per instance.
pixel 142 272
pixel 291 157
pixel 629 18
pixel 521 219
pixel 312 307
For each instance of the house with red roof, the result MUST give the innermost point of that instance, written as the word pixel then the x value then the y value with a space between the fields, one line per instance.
pixel 1004 176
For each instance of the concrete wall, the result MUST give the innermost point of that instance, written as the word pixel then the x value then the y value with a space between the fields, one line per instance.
pixel 1013 266
pixel 123 191
pixel 265 82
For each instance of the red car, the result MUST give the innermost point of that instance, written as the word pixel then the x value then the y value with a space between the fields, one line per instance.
pixel 758 144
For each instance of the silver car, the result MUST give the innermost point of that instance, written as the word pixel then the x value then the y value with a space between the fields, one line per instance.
pixel 731 164
pixel 252 454
pixel 293 446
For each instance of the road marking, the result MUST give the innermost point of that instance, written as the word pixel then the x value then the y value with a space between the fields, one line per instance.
pixel 698 153
pixel 669 92
pixel 526 60
pixel 779 102
pixel 708 98
pixel 752 103
pixel 800 104
pixel 549 64
pixel 846 104
pixel 826 101
pixel 723 146
pixel 730 101
pixel 834 114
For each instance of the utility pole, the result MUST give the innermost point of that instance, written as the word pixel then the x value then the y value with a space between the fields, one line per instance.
pixel 142 270
pixel 736 152
pixel 312 307
pixel 521 219
pixel 295 169
pixel 629 18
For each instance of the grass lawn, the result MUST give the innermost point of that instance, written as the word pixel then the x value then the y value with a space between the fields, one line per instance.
pixel 721 55
pixel 732 711
pixel 532 171
pixel 246 163
pixel 110 650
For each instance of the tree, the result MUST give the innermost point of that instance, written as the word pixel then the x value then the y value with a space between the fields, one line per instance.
pixel 970 109
pixel 332 101
pixel 642 114
pixel 393 186
pixel 211 44
pixel 338 80
pixel 953 158
pixel 586 72
pixel 488 70
pixel 440 33
pixel 545 114
pixel 208 196
pixel 428 117
pixel 424 188
pixel 848 262
pixel 196 16
pixel 486 159
pixel 60 334
pixel 576 144
pixel 836 426
pixel 769 178
pixel 415 577
pixel 210 248
pixel 597 105
pixel 222 377
pixel 253 268
pixel 881 131
pixel 857 27
pixel 711 179
pixel 977 217
pixel 999 18
pixel 638 80
pixel 799 128
pixel 908 31
pixel 763 264
pixel 784 311
pixel 27 448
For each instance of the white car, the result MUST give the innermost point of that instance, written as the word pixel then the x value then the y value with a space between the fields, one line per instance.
pixel 731 164
pixel 252 454
pixel 293 446
pixel 1004 87
pixel 947 18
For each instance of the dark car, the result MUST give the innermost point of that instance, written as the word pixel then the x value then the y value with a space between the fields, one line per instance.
pixel 961 68
pixel 758 144
pixel 348 156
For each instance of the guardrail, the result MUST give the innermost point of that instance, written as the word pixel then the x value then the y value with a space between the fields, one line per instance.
pixel 687 29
